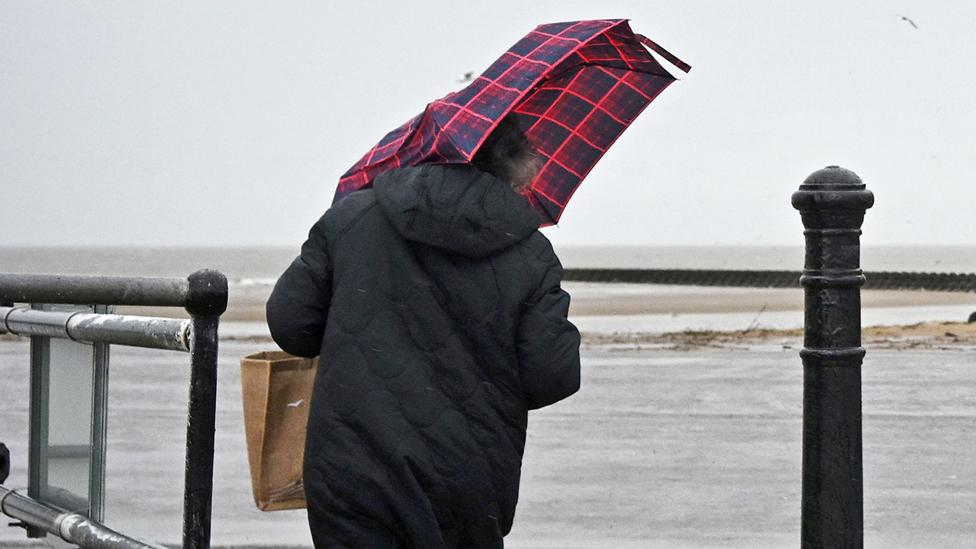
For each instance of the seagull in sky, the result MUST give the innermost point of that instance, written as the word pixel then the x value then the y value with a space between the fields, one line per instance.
pixel 910 22
pixel 467 76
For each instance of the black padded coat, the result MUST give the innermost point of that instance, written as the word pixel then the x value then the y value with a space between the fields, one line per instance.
pixel 436 307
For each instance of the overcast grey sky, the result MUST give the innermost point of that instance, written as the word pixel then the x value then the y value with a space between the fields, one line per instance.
pixel 229 123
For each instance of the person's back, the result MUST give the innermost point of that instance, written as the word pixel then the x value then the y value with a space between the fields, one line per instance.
pixel 435 304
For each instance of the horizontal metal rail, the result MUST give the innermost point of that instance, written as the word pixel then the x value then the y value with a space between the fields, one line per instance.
pixel 877 280
pixel 134 331
pixel 203 292
pixel 96 290
pixel 71 527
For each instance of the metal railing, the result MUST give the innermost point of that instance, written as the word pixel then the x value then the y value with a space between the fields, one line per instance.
pixel 204 296
pixel 71 527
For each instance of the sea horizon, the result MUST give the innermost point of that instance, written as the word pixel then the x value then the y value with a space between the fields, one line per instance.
pixel 249 263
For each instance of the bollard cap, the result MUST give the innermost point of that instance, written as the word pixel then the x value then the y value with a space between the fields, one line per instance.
pixel 833 189
pixel 208 293
pixel 832 178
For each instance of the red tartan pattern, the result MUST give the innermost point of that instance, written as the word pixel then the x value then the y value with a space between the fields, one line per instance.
pixel 572 87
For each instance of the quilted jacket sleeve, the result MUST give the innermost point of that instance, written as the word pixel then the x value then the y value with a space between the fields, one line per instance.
pixel 299 303
pixel 548 344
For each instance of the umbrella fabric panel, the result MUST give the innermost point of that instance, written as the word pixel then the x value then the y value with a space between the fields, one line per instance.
pixel 581 110
pixel 379 158
pixel 572 87
pixel 574 119
pixel 451 128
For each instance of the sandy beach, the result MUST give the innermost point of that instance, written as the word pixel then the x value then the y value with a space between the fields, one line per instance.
pixel 698 317
pixel 679 438
pixel 590 299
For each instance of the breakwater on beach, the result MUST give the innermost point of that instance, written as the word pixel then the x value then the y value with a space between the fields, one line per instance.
pixel 942 282
pixel 723 295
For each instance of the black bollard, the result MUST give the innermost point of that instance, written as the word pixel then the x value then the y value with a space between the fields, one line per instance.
pixel 4 463
pixel 832 202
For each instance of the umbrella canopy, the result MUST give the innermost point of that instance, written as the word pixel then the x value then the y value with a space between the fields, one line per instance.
pixel 571 87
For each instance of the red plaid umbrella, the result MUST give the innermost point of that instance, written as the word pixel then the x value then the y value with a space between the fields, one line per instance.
pixel 572 88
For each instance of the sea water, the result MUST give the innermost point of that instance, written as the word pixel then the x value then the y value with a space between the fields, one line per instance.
pixel 252 271
pixel 255 265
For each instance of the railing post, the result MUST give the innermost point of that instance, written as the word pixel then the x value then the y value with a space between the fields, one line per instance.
pixel 4 462
pixel 832 202
pixel 206 301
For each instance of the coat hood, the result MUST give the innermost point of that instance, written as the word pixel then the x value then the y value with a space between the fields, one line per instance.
pixel 458 208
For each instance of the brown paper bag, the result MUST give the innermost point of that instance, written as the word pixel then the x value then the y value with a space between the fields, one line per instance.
pixel 276 388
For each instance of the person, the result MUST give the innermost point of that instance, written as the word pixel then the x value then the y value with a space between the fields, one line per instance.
pixel 435 305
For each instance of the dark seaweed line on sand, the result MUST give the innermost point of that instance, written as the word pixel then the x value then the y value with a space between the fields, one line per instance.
pixel 879 280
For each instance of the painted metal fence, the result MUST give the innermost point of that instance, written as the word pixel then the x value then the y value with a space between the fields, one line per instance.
pixel 204 296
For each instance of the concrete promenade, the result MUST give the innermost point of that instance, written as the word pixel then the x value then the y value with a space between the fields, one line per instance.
pixel 661 448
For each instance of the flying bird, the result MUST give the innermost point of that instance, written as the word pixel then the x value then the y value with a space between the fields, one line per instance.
pixel 467 76
pixel 909 21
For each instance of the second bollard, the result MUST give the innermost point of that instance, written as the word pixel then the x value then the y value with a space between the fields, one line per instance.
pixel 832 202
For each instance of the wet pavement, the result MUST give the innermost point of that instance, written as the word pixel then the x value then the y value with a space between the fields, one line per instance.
pixel 697 448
